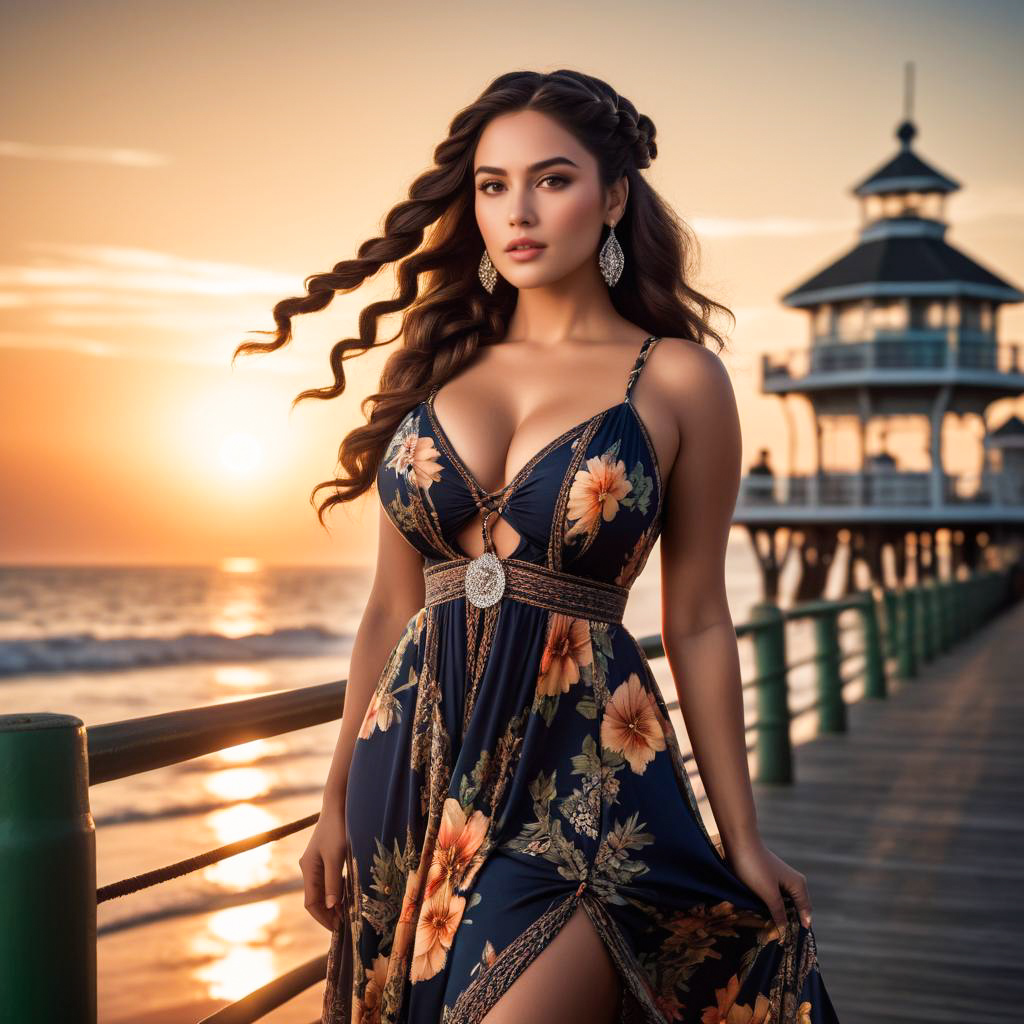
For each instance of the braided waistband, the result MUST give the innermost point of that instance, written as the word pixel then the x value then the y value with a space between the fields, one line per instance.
pixel 533 584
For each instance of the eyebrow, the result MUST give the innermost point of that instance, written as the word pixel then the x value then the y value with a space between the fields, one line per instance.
pixel 539 166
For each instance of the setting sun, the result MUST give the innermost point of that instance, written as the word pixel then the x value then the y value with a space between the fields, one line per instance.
pixel 241 454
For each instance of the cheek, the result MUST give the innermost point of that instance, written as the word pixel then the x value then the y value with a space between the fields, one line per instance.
pixel 572 218
pixel 573 228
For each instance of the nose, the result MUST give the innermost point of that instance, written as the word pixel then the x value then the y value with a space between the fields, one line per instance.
pixel 519 212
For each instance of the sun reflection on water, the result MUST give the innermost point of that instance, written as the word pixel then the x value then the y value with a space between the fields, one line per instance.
pixel 241 783
pixel 243 677
pixel 250 868
pixel 237 942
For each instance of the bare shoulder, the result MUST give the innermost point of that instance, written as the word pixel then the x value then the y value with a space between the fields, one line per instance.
pixel 692 381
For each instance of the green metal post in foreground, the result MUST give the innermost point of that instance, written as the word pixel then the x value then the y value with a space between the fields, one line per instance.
pixel 774 752
pixel 48 871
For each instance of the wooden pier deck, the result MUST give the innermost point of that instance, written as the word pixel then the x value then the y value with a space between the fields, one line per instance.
pixel 910 830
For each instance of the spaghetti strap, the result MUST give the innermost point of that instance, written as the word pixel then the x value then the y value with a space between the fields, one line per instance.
pixel 638 366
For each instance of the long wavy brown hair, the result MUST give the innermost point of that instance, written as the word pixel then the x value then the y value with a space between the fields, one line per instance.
pixel 448 314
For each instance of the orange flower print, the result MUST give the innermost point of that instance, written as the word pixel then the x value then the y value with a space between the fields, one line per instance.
pixel 459 839
pixel 370 718
pixel 367 1009
pixel 380 713
pixel 417 628
pixel 629 572
pixel 631 724
pixel 439 919
pixel 417 458
pixel 728 1011
pixel 669 1006
pixel 489 956
pixel 567 648
pixel 595 494
pixel 666 726
pixel 410 899
pixel 804 1013
pixel 408 917
pixel 697 932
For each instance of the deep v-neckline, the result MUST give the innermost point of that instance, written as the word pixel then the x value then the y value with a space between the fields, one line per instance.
pixel 534 459
pixel 460 463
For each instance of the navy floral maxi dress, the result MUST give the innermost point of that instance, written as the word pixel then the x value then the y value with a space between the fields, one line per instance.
pixel 517 761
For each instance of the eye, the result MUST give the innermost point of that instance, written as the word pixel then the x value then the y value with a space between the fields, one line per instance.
pixel 484 185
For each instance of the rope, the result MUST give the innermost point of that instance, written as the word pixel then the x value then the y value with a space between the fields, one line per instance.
pixel 183 867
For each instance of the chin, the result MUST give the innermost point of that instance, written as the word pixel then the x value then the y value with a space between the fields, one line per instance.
pixel 532 277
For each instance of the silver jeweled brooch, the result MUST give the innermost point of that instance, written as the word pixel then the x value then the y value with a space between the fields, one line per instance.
pixel 485 580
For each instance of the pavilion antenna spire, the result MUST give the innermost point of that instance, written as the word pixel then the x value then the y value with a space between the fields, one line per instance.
pixel 908 91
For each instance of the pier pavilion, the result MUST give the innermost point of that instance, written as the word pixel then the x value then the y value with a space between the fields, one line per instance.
pixel 903 324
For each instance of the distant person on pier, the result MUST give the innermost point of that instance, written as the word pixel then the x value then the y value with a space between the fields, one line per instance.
pixel 762 492
pixel 761 467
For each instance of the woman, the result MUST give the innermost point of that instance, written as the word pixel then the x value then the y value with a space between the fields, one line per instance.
pixel 507 805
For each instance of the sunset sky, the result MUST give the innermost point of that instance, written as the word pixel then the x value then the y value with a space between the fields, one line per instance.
pixel 171 170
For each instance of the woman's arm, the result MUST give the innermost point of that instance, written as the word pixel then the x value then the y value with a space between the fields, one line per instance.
pixel 397 593
pixel 697 628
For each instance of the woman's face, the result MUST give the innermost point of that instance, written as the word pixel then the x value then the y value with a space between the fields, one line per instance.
pixel 561 205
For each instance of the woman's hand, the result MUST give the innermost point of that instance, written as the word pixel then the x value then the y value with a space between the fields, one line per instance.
pixel 768 875
pixel 321 864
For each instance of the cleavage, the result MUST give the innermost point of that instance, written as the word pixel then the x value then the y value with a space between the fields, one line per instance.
pixel 505 539
pixel 457 451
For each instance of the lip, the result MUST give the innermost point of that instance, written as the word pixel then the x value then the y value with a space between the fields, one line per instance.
pixel 524 240
pixel 525 255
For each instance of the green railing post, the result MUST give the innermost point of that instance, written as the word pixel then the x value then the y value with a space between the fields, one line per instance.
pixel 944 597
pixel 973 595
pixel 939 616
pixel 874 663
pixel 926 621
pixel 956 601
pixel 907 621
pixel 48 871
pixel 892 617
pixel 963 608
pixel 774 753
pixel 831 707
pixel 998 599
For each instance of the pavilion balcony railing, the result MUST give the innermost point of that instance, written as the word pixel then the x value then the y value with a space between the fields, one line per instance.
pixel 48 762
pixel 881 488
pixel 905 351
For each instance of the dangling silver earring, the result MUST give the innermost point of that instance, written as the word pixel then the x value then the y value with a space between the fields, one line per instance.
pixel 611 259
pixel 488 275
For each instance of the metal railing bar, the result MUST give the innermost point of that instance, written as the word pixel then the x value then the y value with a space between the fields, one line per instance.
pixel 135 745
